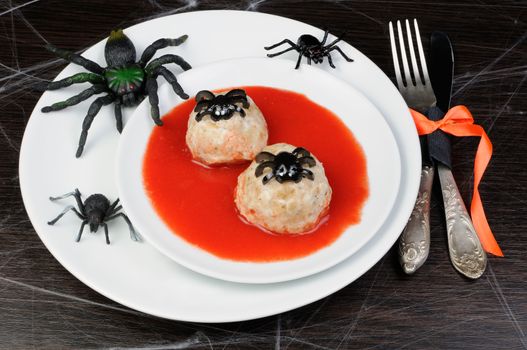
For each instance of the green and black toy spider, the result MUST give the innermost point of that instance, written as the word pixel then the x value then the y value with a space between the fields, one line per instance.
pixel 125 81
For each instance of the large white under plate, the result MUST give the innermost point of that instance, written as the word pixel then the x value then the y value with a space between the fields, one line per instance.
pixel 137 275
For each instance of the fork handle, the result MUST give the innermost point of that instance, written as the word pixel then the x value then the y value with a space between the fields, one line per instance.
pixel 414 243
pixel 466 253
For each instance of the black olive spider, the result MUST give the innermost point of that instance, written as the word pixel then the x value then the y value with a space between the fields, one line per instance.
pixel 125 81
pixel 220 107
pixel 285 166
pixel 95 211
pixel 310 47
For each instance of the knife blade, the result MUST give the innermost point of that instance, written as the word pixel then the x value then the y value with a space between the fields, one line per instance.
pixel 466 254
pixel 442 68
pixel 441 75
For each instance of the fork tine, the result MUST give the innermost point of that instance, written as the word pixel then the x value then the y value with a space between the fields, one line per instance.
pixel 421 54
pixel 398 77
pixel 415 68
pixel 402 46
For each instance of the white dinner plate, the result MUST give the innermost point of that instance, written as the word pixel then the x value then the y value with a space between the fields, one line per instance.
pixel 357 113
pixel 136 274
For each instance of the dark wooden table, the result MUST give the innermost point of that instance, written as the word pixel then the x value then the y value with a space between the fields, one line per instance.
pixel 43 306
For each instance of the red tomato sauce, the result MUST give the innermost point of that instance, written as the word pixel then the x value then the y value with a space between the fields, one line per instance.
pixel 197 203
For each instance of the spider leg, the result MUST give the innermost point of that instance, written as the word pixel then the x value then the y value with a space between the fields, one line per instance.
pixel 308 173
pixel 268 178
pixel 80 231
pixel 307 160
pixel 116 210
pixel 236 93
pixel 301 151
pixel 95 107
pixel 241 111
pixel 202 115
pixel 78 199
pixel 77 59
pixel 133 234
pixel 69 194
pixel 118 116
pixel 309 60
pixel 336 48
pixel 201 105
pixel 331 44
pixel 299 59
pixel 84 95
pixel 151 50
pixel 75 194
pixel 106 232
pixel 171 78
pixel 241 99
pixel 165 59
pixel 68 208
pixel 281 43
pixel 260 168
pixel 204 95
pixel 74 79
pixel 151 88
pixel 112 209
pixel 326 32
pixel 264 157
pixel 281 52
pixel 330 60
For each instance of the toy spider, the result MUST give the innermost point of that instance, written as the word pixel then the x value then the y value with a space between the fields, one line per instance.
pixel 125 81
pixel 310 47
pixel 95 211
pixel 220 107
pixel 285 166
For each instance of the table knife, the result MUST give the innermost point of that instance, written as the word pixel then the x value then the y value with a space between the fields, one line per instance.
pixel 466 254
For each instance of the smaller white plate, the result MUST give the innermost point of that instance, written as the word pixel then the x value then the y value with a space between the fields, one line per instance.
pixel 363 119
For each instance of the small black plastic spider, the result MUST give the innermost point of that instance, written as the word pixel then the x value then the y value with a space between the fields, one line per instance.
pixel 95 211
pixel 285 166
pixel 220 107
pixel 310 47
pixel 125 81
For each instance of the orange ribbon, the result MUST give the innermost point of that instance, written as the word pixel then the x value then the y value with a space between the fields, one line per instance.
pixel 458 121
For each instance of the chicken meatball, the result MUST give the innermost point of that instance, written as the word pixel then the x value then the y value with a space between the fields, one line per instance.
pixel 227 128
pixel 284 190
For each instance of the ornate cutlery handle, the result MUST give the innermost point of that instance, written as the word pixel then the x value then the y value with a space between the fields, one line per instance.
pixel 464 247
pixel 414 243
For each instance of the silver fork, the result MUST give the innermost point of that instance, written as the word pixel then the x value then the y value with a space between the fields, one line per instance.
pixel 414 243
pixel 466 253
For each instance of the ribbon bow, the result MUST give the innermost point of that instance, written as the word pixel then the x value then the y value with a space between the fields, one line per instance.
pixel 458 121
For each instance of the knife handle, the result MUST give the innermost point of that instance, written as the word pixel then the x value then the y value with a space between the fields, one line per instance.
pixel 466 253
pixel 414 243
